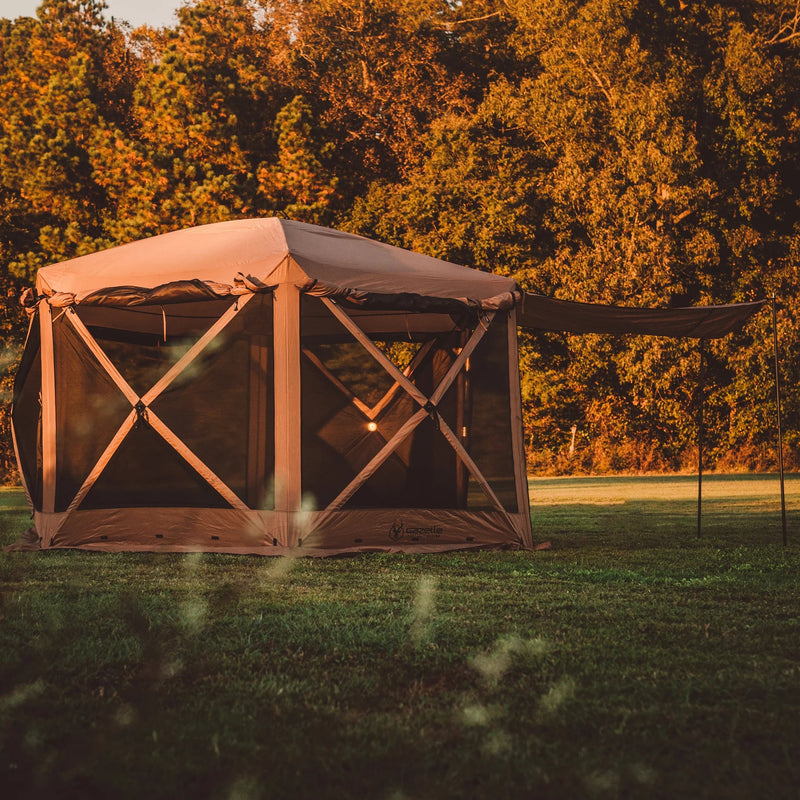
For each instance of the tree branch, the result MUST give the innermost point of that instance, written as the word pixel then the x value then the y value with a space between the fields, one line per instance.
pixel 789 27
pixel 450 24
pixel 603 86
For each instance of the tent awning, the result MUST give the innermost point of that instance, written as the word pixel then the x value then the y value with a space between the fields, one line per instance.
pixel 701 322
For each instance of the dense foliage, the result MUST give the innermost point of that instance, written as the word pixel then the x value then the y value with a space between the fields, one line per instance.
pixel 642 152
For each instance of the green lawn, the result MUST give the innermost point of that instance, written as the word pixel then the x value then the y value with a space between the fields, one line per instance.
pixel 630 660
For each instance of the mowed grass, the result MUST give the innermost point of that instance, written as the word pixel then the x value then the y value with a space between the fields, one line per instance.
pixel 631 660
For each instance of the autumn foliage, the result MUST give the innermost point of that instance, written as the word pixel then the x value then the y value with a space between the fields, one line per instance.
pixel 642 152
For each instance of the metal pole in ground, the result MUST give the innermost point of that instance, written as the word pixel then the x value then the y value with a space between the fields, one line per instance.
pixel 778 412
pixel 700 441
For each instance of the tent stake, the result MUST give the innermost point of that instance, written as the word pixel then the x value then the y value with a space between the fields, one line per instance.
pixel 778 412
pixel 700 441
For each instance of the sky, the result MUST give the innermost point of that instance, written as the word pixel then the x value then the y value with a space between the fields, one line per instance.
pixel 138 12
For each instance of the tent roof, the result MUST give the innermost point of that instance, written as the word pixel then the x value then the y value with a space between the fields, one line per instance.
pixel 270 251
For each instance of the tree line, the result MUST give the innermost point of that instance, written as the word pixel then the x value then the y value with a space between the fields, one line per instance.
pixel 633 152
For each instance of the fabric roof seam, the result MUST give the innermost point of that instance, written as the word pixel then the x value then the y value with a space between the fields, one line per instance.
pixel 355 297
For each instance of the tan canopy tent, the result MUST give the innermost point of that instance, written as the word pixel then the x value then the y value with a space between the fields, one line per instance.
pixel 266 386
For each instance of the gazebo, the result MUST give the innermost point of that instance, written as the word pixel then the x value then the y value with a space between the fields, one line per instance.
pixel 268 386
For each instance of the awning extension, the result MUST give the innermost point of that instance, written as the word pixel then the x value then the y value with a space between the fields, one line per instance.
pixel 700 322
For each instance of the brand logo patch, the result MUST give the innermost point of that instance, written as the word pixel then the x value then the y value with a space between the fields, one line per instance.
pixel 397 530
pixel 400 531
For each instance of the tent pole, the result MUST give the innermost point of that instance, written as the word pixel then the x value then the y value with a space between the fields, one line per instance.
pixel 778 413
pixel 49 431
pixel 700 432
pixel 288 425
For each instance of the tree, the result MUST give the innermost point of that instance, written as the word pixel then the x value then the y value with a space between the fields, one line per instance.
pixel 643 152
pixel 376 73
pixel 49 94
pixel 196 134
pixel 298 184
pixel 470 200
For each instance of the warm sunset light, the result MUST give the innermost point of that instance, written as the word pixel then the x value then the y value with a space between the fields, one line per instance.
pixel 553 245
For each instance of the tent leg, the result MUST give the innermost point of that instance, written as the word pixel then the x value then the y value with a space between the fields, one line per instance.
pixel 778 414
pixel 49 431
pixel 700 431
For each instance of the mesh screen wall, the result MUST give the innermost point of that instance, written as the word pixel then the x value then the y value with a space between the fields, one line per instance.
pixel 351 407
pixel 220 406
pixel 27 417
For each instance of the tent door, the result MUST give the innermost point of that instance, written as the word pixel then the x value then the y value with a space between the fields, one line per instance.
pixel 427 407
pixel 142 411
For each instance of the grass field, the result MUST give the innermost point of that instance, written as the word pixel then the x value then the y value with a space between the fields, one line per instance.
pixel 631 660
